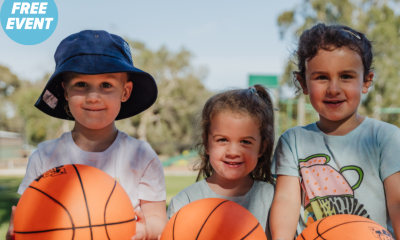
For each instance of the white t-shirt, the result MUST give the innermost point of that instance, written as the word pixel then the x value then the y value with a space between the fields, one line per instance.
pixel 130 161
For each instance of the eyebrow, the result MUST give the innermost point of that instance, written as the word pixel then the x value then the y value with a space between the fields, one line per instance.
pixel 349 71
pixel 220 135
pixel 345 71
pixel 318 72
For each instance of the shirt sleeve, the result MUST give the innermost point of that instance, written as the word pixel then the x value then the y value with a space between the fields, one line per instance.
pixel 152 182
pixel 284 161
pixel 174 206
pixel 33 170
pixel 390 155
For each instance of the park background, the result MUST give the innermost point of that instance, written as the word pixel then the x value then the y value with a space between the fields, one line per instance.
pixel 193 49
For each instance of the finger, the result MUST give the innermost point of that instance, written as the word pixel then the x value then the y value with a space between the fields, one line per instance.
pixel 140 216
pixel 137 236
pixel 12 216
pixel 159 237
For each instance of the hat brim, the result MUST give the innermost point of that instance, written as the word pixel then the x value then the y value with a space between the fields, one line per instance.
pixel 144 91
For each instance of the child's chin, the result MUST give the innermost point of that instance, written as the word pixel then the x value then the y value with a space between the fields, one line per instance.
pixel 96 125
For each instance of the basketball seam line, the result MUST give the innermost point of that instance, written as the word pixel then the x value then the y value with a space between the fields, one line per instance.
pixel 251 231
pixel 198 234
pixel 84 195
pixel 340 225
pixel 69 215
pixel 58 229
pixel 105 209
pixel 173 227
pixel 319 235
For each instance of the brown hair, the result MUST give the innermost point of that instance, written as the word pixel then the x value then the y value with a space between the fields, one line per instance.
pixel 255 103
pixel 328 38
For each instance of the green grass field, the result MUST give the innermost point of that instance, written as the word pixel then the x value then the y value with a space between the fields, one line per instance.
pixel 9 195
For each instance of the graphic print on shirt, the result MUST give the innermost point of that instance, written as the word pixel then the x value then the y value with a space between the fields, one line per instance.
pixel 52 173
pixel 327 192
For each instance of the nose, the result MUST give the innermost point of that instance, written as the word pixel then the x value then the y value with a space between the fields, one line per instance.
pixel 92 96
pixel 232 151
pixel 334 87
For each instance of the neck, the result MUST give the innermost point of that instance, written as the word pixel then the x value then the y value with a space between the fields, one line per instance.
pixel 229 188
pixel 342 127
pixel 94 140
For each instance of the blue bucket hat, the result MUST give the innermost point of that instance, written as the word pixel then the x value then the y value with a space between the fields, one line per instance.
pixel 96 52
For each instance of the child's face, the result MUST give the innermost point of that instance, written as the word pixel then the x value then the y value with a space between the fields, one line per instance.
pixel 233 145
pixel 335 81
pixel 95 100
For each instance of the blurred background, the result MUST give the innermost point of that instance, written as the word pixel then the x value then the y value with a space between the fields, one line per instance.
pixel 193 49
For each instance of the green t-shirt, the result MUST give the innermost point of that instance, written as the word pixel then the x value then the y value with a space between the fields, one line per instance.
pixel 340 174
pixel 257 200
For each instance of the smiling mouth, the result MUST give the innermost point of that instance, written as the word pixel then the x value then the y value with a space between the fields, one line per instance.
pixel 94 110
pixel 233 163
pixel 333 102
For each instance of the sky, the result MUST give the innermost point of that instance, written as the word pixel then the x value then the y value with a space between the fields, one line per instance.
pixel 231 38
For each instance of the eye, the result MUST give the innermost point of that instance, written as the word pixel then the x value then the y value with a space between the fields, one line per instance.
pixel 322 77
pixel 346 76
pixel 81 84
pixel 105 85
pixel 246 142
pixel 222 140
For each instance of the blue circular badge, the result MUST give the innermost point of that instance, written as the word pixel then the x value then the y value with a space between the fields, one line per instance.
pixel 29 22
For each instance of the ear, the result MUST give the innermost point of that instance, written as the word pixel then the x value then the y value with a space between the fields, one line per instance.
pixel 65 90
pixel 302 83
pixel 367 82
pixel 127 91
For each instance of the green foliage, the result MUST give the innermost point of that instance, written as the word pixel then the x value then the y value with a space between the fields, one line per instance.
pixel 9 84
pixel 38 127
pixel 167 125
pixel 381 24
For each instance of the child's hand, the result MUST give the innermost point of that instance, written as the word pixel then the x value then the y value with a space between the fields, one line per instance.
pixel 141 233
pixel 10 233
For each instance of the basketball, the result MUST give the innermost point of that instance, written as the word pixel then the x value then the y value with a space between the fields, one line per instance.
pixel 213 218
pixel 74 202
pixel 345 227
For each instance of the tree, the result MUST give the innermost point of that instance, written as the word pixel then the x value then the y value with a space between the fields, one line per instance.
pixel 378 20
pixel 167 125
pixel 9 84
pixel 37 126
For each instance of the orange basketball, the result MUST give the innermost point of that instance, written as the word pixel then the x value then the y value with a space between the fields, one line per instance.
pixel 345 227
pixel 74 202
pixel 213 218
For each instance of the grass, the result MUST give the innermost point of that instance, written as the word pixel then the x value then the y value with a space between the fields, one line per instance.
pixel 174 184
pixel 9 195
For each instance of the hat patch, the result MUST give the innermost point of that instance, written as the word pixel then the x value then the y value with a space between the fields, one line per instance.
pixel 50 99
pixel 128 50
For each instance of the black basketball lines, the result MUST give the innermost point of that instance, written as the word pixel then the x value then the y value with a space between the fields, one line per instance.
pixel 198 234
pixel 73 228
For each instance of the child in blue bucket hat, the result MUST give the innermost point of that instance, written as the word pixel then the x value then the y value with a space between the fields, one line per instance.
pixel 94 84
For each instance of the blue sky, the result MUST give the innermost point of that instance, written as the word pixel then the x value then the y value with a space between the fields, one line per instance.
pixel 231 38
